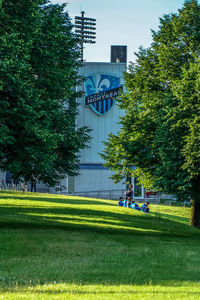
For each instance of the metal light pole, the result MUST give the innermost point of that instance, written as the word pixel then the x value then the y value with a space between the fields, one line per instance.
pixel 85 30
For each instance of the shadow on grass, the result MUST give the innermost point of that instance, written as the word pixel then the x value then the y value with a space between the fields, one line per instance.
pixel 172 217
pixel 130 230
pixel 68 218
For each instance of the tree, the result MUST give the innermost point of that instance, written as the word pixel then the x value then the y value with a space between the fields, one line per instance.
pixel 160 130
pixel 38 75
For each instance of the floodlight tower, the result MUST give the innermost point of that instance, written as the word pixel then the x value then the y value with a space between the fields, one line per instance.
pixel 85 30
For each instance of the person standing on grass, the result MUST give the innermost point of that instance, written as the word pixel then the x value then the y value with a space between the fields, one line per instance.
pixel 130 193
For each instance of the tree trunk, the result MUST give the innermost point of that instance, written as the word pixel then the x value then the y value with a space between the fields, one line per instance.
pixel 195 204
pixel 195 213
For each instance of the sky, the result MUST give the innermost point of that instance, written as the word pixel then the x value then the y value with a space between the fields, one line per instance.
pixel 120 22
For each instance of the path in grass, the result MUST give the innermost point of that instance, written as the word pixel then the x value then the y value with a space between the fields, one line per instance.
pixel 57 247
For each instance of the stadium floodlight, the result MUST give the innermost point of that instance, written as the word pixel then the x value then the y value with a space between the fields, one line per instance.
pixel 85 30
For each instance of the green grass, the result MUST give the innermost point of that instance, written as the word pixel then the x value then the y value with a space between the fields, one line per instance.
pixel 58 247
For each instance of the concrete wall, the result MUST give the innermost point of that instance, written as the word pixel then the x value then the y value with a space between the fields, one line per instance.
pixel 96 180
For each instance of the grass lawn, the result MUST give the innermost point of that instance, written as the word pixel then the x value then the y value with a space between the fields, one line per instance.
pixel 58 247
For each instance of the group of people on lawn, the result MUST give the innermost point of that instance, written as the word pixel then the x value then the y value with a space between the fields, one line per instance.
pixel 129 202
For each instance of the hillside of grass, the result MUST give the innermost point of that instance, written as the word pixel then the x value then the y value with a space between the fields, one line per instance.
pixel 61 247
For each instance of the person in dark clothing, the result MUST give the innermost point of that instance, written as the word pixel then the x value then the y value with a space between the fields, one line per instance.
pixel 33 184
pixel 144 207
pixel 130 193
pixel 33 187
pixel 121 202
pixel 130 201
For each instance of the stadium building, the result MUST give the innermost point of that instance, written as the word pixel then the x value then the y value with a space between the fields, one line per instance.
pixel 98 111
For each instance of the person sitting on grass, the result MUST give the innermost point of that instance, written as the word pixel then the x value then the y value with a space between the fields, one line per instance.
pixel 126 201
pixel 121 202
pixel 130 201
pixel 144 207
pixel 135 206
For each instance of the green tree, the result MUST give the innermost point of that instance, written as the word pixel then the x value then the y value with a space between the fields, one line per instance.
pixel 160 130
pixel 38 75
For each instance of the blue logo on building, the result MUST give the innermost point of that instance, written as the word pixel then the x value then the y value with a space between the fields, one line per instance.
pixel 97 84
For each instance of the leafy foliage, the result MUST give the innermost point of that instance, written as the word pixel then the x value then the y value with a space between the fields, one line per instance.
pixel 160 129
pixel 38 74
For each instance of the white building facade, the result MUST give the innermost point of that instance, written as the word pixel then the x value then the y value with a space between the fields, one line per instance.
pixel 99 112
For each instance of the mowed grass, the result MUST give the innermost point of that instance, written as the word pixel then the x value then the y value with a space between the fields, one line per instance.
pixel 58 247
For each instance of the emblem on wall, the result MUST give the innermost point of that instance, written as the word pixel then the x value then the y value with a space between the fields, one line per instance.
pixel 101 90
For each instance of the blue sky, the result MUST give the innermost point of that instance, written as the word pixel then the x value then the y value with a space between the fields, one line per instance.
pixel 121 22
